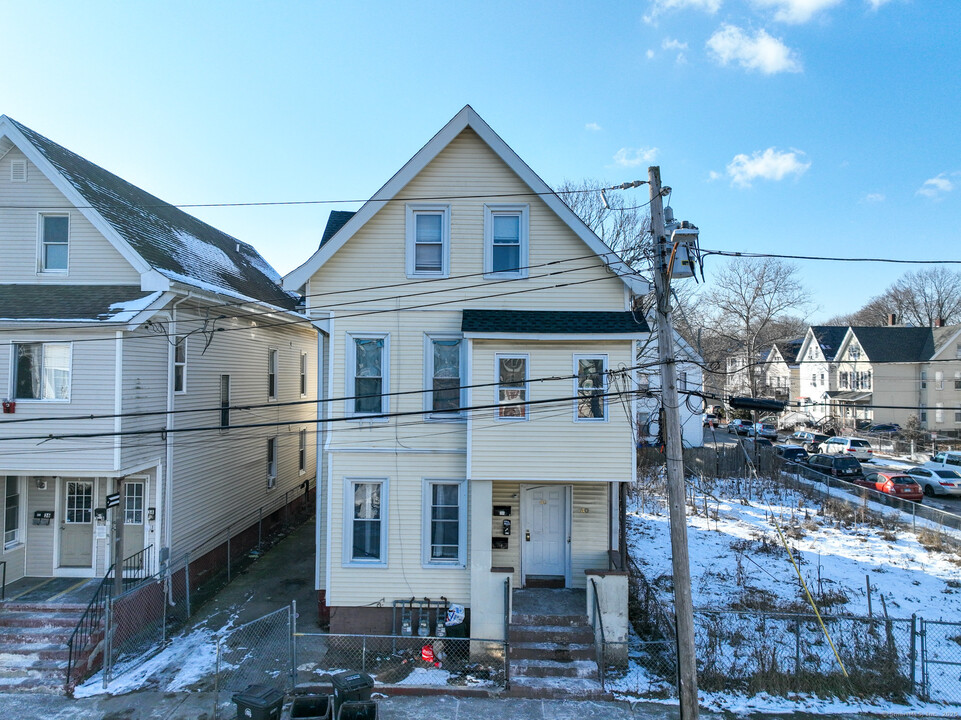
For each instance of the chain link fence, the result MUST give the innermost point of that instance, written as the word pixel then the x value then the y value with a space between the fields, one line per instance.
pixel 940 652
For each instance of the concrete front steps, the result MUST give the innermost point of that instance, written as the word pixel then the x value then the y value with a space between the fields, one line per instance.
pixel 33 645
pixel 553 656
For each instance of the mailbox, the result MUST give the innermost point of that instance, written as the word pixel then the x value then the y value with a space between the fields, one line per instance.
pixel 42 517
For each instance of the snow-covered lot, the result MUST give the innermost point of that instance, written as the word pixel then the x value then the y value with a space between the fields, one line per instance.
pixel 738 563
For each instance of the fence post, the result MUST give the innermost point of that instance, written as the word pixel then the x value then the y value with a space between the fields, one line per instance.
pixel 293 645
pixel 260 520
pixel 913 651
pixel 797 647
pixel 108 641
pixel 228 554
pixel 187 580
pixel 363 654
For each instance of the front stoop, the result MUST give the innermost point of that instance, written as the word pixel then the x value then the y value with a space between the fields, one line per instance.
pixel 33 646
pixel 552 656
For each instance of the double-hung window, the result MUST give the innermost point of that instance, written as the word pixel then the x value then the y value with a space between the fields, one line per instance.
pixel 180 364
pixel 42 371
pixel 302 451
pixel 591 387
pixel 428 240
pixel 444 370
pixel 368 361
pixel 512 387
pixel 272 374
pixel 11 512
pixel 365 524
pixel 924 379
pixel 224 401
pixel 271 462
pixel 445 525
pixel 505 240
pixel 303 374
pixel 54 238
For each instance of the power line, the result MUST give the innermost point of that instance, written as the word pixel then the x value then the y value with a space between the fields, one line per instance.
pixel 739 253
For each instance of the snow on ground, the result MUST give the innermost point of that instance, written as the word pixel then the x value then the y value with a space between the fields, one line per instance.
pixel 736 556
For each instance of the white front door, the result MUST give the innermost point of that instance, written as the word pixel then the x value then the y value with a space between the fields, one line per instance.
pixel 133 512
pixel 76 525
pixel 545 516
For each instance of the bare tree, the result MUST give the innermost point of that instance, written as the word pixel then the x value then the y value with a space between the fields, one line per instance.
pixel 920 298
pixel 750 304
pixel 624 224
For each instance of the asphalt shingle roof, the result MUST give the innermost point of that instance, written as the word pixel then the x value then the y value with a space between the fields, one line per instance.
pixel 563 322
pixel 335 221
pixel 174 243
pixel 896 344
pixel 829 337
pixel 69 302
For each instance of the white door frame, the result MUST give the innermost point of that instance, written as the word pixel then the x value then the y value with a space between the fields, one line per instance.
pixel 59 518
pixel 568 520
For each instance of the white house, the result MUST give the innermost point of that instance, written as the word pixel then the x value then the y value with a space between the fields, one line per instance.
pixel 138 342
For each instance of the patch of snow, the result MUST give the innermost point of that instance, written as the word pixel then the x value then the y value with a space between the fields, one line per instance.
pixel 426 677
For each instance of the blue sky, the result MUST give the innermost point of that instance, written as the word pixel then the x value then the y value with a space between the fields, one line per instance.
pixel 813 127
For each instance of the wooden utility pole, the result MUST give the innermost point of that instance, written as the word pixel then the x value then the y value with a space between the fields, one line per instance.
pixel 118 511
pixel 680 560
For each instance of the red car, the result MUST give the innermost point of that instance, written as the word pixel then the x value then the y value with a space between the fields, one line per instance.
pixel 893 483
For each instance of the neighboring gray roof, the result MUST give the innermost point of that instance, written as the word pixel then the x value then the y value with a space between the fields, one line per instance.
pixel 789 350
pixel 895 344
pixel 335 221
pixel 72 302
pixel 176 244
pixel 552 322
pixel 829 337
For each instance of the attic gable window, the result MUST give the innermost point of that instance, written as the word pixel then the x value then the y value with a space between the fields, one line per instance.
pixel 428 240
pixel 54 234
pixel 506 240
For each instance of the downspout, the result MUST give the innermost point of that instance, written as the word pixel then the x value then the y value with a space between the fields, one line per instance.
pixel 168 443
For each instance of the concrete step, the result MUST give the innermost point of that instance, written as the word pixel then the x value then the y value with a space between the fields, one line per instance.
pixel 554 669
pixel 33 683
pixel 33 618
pixel 536 619
pixel 40 635
pixel 552 633
pixel 539 687
pixel 11 652
pixel 567 652
pixel 14 606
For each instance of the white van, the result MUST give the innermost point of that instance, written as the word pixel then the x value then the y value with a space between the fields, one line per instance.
pixel 949 460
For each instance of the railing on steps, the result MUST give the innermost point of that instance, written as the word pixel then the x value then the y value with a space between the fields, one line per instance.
pixel 3 580
pixel 507 633
pixel 88 633
pixel 597 623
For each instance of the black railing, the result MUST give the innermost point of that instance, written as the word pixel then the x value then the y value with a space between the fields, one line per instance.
pixel 137 568
pixel 3 580
pixel 597 621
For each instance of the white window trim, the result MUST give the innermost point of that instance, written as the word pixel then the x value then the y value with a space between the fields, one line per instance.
pixel 350 365
pixel 271 463
pixel 426 561
pixel 273 370
pixel 41 270
pixel 178 339
pixel 21 513
pixel 431 209
pixel 604 386
pixel 302 452
pixel 303 375
pixel 501 209
pixel 13 371
pixel 220 401
pixel 429 339
pixel 348 529
pixel 143 501
pixel 497 386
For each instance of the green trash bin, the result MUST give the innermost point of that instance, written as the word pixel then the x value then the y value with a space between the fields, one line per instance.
pixel 259 702
pixel 311 707
pixel 351 686
pixel 357 711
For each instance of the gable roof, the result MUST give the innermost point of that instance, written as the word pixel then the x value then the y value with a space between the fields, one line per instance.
pixel 335 221
pixel 885 343
pixel 466 118
pixel 149 232
pixel 553 322
pixel 829 339
pixel 789 350
pixel 83 303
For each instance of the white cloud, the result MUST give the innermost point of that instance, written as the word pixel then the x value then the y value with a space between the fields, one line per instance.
pixel 592 126
pixel 650 54
pixel 768 165
pixel 714 175
pixel 659 7
pixel 874 198
pixel 936 186
pixel 796 11
pixel 875 4
pixel 671 44
pixel 632 157
pixel 762 52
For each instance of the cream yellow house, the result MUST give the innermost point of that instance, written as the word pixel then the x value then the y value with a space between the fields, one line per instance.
pixel 478 354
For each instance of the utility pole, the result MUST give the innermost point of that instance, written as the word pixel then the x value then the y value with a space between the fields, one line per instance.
pixel 118 511
pixel 680 560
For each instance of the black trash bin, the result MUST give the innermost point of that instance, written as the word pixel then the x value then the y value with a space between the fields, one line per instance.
pixel 259 702
pixel 357 711
pixel 351 686
pixel 311 707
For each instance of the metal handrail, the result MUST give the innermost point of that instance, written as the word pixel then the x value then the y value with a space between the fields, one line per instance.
pixel 3 580
pixel 598 622
pixel 507 632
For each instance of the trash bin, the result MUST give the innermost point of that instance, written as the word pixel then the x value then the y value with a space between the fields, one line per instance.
pixel 259 702
pixel 357 711
pixel 351 686
pixel 311 707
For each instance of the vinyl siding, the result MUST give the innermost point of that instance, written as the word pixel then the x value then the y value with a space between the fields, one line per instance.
pixel 144 391
pixel 41 538
pixel 220 477
pixel 550 444
pixel 404 575
pixel 92 259
pixel 92 391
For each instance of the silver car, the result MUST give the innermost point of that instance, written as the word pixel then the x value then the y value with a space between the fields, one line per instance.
pixel 936 481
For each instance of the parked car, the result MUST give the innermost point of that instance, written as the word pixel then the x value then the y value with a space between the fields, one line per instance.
pixel 944 460
pixel 845 467
pixel 810 441
pixel 792 453
pixel 893 482
pixel 709 419
pixel 884 429
pixel 762 442
pixel 764 430
pixel 739 427
pixel 936 481
pixel 856 447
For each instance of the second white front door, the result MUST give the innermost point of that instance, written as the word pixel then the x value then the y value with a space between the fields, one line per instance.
pixel 545 515
pixel 76 525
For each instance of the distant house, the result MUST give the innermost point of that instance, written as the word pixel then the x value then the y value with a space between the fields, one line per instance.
pixel 817 371
pixel 480 347
pixel 782 378
pixel 138 343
